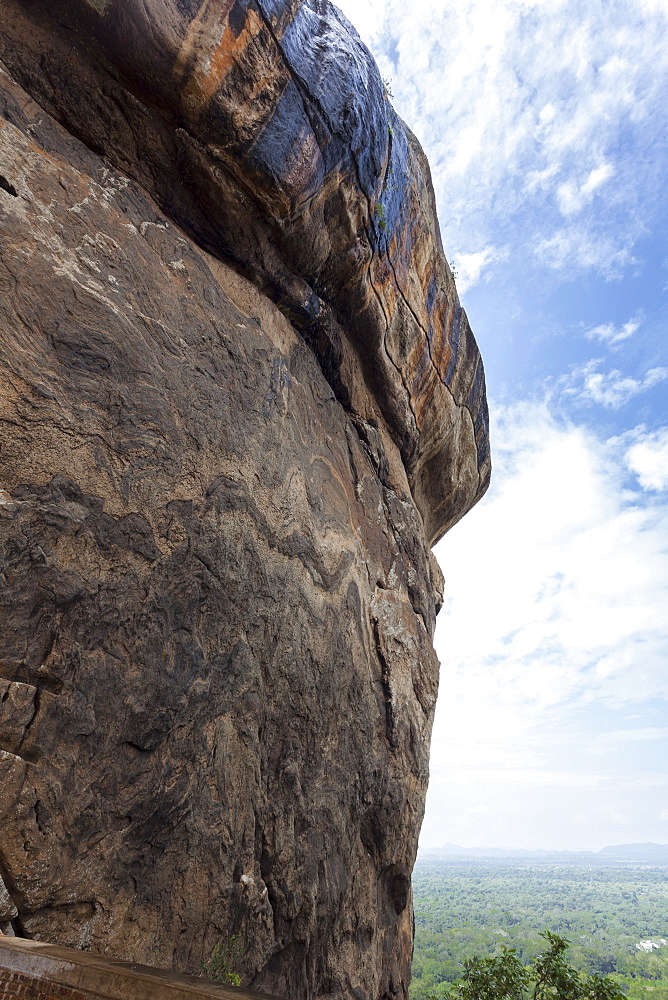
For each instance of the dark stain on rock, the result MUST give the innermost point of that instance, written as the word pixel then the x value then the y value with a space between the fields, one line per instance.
pixel 6 186
pixel 237 18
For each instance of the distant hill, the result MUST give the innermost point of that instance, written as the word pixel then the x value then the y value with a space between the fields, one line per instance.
pixel 656 854
pixel 635 852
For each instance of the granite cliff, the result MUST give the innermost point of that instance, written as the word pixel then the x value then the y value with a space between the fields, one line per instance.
pixel 239 401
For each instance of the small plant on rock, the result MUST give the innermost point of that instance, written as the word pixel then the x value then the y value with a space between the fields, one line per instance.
pixel 224 959
pixel 379 212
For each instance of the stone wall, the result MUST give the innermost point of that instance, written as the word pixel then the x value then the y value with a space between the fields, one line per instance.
pixel 17 984
pixel 30 970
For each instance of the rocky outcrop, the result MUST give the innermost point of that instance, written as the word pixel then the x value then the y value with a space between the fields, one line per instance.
pixel 239 400
pixel 264 130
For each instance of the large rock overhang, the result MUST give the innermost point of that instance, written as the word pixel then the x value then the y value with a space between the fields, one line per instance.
pixel 263 128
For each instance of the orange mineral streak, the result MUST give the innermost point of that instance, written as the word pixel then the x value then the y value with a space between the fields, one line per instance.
pixel 384 282
pixel 212 15
pixel 213 47
pixel 441 348
pixel 425 388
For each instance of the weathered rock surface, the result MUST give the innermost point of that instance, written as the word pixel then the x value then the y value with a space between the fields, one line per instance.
pixel 263 129
pixel 238 400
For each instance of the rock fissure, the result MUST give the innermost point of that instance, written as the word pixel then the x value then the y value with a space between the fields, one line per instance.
pixel 431 359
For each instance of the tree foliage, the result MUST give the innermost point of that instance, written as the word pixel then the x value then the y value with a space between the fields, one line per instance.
pixel 549 977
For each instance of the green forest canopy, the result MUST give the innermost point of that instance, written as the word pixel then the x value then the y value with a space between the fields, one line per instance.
pixel 614 916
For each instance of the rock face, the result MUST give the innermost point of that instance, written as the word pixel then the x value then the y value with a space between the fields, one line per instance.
pixel 239 400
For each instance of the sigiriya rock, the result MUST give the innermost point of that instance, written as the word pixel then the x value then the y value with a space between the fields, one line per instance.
pixel 239 401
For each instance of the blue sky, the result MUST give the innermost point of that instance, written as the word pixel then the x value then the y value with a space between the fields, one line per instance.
pixel 546 126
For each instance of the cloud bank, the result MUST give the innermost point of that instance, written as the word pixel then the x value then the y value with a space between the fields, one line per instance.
pixel 561 608
pixel 611 389
pixel 546 127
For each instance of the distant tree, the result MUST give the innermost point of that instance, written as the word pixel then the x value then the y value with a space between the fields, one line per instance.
pixel 550 977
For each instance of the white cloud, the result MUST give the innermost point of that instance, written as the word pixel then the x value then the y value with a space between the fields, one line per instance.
pixel 611 335
pixel 573 194
pixel 647 457
pixel 556 589
pixel 569 582
pixel 532 112
pixel 580 248
pixel 469 266
pixel 610 389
